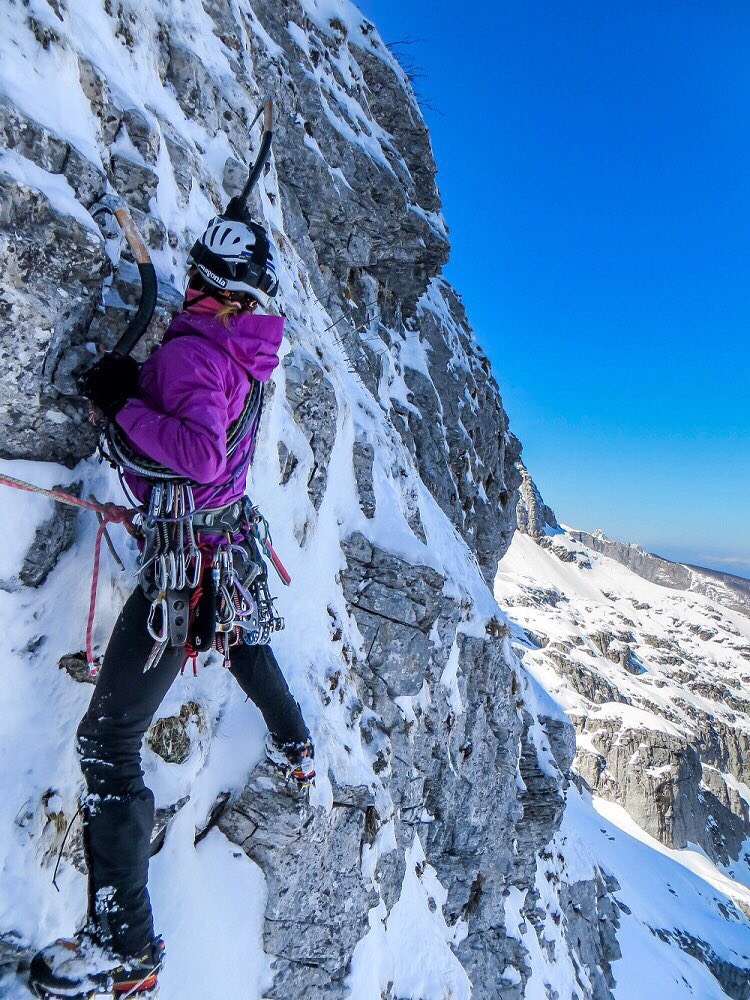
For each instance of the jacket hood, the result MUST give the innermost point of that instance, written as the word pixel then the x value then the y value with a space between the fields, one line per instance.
pixel 251 340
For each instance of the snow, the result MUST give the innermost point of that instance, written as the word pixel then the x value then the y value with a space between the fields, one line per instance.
pixel 610 598
pixel 693 859
pixel 410 947
pixel 632 717
pixel 661 889
pixel 193 890
pixel 54 186
pixel 43 80
pixel 662 893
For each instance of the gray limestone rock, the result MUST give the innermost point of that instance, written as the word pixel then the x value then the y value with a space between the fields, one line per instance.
pixel 465 452
pixel 53 271
pixel 364 457
pixel 733 979
pixel 193 87
pixel 136 182
pixel 592 919
pixel 95 87
pixel 657 776
pixel 317 899
pixel 313 403
pixel 234 176
pixel 142 134
pixel 52 538
pixel 734 591
pixel 532 513
pixel 395 606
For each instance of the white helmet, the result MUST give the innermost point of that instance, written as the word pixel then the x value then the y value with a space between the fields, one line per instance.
pixel 238 257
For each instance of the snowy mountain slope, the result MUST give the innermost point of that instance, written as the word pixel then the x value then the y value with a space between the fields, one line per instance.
pixel 444 852
pixel 534 518
pixel 655 681
pixel 388 472
pixel 732 591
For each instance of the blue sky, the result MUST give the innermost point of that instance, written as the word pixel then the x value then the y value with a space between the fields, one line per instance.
pixel 594 163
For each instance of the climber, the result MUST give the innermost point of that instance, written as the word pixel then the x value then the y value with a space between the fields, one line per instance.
pixel 176 413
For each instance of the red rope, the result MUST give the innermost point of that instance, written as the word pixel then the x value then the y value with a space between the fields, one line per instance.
pixel 66 498
pixel 111 514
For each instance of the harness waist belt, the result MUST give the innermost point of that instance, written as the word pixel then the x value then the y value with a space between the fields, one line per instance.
pixel 228 518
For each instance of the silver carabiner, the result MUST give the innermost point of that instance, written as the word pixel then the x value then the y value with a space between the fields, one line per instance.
pixel 155 501
pixel 181 570
pixel 172 564
pixel 156 654
pixel 230 612
pixel 195 561
pixel 189 499
pixel 161 578
pixel 160 604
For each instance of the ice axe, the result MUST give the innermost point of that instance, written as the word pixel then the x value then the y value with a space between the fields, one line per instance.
pixel 64 377
pixel 78 358
pixel 139 323
pixel 237 210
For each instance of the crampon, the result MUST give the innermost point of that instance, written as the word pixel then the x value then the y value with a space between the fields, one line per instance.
pixel 294 760
pixel 79 969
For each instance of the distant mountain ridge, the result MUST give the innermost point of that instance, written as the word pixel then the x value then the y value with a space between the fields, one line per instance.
pixel 538 520
pixel 731 590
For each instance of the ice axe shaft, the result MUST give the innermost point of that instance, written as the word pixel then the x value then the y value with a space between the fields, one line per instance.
pixel 139 323
pixel 237 208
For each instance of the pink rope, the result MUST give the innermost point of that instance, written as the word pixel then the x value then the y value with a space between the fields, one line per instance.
pixel 111 514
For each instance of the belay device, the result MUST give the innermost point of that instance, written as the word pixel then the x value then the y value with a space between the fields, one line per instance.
pixel 203 570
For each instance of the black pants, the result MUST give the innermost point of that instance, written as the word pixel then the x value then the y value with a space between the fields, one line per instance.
pixel 119 810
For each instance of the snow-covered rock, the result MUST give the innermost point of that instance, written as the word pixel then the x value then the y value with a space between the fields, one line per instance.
pixel 654 678
pixel 444 852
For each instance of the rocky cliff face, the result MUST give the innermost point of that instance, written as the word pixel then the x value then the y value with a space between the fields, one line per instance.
pixel 425 861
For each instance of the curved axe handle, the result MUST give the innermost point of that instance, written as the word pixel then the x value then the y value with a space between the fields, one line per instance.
pixel 139 323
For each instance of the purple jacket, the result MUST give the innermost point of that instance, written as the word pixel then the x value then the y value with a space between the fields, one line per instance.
pixel 192 388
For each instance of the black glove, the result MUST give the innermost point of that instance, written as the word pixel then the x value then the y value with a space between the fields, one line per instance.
pixel 110 383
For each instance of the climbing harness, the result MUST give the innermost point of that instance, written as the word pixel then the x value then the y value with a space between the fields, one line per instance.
pixel 204 574
pixel 202 570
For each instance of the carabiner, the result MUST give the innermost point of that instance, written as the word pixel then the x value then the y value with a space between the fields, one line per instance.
pixel 160 604
pixel 172 564
pixel 161 576
pixel 181 570
pixel 195 561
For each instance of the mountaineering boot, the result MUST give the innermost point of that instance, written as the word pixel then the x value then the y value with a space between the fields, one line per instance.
pixel 78 968
pixel 294 760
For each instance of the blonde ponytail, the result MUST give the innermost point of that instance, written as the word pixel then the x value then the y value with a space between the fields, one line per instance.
pixel 230 308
